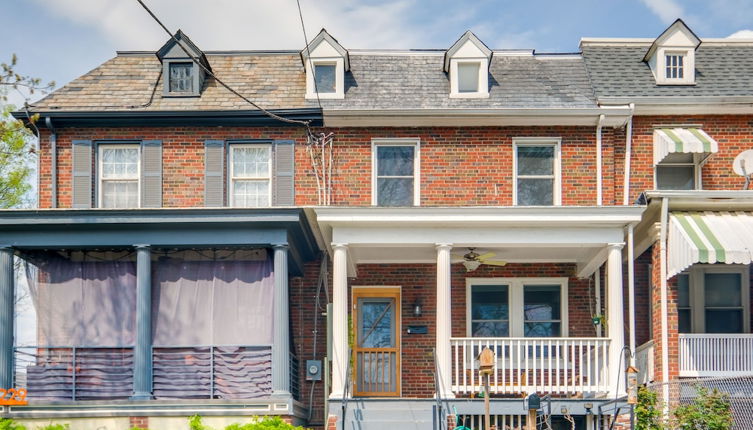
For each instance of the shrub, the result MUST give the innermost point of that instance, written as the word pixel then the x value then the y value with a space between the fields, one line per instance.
pixel 266 423
pixel 710 410
pixel 647 415
pixel 55 427
pixel 9 424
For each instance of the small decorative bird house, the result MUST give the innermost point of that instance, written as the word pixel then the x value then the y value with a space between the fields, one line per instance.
pixel 486 361
pixel 632 385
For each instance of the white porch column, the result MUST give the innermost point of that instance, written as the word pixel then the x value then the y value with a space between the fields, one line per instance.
pixel 339 319
pixel 281 345
pixel 615 319
pixel 444 319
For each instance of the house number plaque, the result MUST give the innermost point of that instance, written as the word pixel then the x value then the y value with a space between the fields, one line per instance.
pixel 13 397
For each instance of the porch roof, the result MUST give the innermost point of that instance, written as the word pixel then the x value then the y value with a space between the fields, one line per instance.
pixel 563 234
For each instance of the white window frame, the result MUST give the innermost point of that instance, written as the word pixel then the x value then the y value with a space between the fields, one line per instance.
pixel 697 169
pixel 688 66
pixel 697 296
pixel 339 63
pixel 556 142
pixel 231 177
pixel 101 147
pixel 516 301
pixel 483 78
pixel 416 143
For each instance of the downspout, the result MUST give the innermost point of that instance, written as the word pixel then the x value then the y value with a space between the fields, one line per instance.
pixel 628 153
pixel 53 164
pixel 631 292
pixel 663 285
pixel 599 126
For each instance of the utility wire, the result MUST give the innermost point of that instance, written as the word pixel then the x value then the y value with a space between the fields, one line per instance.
pixel 308 54
pixel 219 81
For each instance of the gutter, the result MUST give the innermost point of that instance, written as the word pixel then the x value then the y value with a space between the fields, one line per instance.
pixel 53 163
pixel 491 112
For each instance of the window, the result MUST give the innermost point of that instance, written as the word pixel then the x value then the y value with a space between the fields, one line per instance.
pixel 395 178
pixel 677 171
pixel 536 168
pixel 119 173
pixel 468 77
pixel 713 299
pixel 673 66
pixel 324 75
pixel 181 78
pixel 518 307
pixel 250 175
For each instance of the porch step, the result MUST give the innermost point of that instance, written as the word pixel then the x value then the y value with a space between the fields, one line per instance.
pixel 408 414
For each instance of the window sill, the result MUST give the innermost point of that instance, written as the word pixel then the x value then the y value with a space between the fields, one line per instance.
pixel 469 95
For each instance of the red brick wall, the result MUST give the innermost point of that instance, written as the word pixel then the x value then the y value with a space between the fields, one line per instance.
pixel 459 166
pixel 418 281
pixel 672 322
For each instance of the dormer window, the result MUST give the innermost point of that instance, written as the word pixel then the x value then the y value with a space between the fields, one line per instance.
pixel 325 62
pixel 182 76
pixel 467 64
pixel 672 55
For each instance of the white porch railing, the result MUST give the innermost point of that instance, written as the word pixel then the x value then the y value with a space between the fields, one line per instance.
pixel 566 366
pixel 644 361
pixel 709 355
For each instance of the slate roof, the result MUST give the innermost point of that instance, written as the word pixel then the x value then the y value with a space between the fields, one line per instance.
pixel 618 71
pixel 376 81
pixel 127 82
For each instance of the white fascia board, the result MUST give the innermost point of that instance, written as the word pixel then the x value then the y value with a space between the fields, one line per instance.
pixel 616 116
pixel 703 200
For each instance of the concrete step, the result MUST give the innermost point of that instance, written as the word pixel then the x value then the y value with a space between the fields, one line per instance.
pixel 397 414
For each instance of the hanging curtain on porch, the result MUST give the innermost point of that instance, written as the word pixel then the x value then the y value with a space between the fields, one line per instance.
pixel 83 298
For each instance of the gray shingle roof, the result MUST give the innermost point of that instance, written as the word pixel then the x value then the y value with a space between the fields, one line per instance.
pixel 618 71
pixel 376 81
pixel 418 82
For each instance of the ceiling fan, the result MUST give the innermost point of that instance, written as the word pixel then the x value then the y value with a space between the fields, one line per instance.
pixel 472 260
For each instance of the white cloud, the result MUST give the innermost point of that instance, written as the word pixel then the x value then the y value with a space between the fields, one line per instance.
pixel 240 24
pixel 742 34
pixel 666 10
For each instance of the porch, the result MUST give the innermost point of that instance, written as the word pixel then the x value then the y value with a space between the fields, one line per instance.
pixel 532 312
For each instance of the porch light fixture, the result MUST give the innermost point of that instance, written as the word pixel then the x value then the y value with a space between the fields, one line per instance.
pixel 417 308
pixel 471 265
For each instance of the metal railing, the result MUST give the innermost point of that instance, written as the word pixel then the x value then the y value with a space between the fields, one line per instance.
pixel 715 355
pixel 346 388
pixel 74 372
pixel 569 366
pixel 295 377
pixel 211 372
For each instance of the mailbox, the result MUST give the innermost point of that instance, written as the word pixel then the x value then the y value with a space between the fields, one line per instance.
pixel 533 402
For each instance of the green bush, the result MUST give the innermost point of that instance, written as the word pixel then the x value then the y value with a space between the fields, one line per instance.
pixel 647 415
pixel 55 427
pixel 194 423
pixel 710 410
pixel 257 423
pixel 9 424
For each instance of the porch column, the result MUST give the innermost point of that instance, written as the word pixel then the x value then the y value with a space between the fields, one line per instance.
pixel 615 319
pixel 281 343
pixel 142 354
pixel 444 319
pixel 339 319
pixel 7 291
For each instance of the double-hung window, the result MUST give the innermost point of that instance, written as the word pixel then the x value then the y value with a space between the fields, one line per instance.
pixel 713 299
pixel 395 169
pixel 518 307
pixel 536 172
pixel 250 175
pixel 119 174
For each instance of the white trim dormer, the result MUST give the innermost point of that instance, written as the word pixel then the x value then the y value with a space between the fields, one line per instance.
pixel 326 55
pixel 467 63
pixel 672 55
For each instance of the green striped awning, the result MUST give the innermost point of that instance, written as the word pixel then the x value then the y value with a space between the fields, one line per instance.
pixel 708 237
pixel 682 140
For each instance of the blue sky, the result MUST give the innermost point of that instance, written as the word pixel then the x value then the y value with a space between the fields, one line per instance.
pixel 62 39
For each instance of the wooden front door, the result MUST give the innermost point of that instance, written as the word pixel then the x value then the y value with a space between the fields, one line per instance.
pixel 377 341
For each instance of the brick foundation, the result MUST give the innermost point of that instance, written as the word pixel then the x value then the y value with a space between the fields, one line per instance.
pixel 139 422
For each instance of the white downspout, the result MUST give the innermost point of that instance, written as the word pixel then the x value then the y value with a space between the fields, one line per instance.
pixel 631 292
pixel 628 153
pixel 663 285
pixel 599 187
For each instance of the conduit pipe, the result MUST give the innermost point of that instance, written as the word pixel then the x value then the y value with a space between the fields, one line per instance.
pixel 599 126
pixel 628 153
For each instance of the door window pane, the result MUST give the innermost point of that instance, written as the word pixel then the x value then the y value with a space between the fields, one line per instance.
pixel 490 311
pixel 542 311
pixel 376 328
pixel 675 177
pixel 325 78
pixel 468 77
pixel 395 175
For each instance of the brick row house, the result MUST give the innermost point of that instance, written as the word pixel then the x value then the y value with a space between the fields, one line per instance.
pixel 346 265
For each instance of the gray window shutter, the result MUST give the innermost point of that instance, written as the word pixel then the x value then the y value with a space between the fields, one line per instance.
pixel 284 169
pixel 214 173
pixel 151 174
pixel 82 174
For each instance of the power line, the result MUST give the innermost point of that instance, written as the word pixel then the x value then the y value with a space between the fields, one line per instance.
pixel 219 81
pixel 308 54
